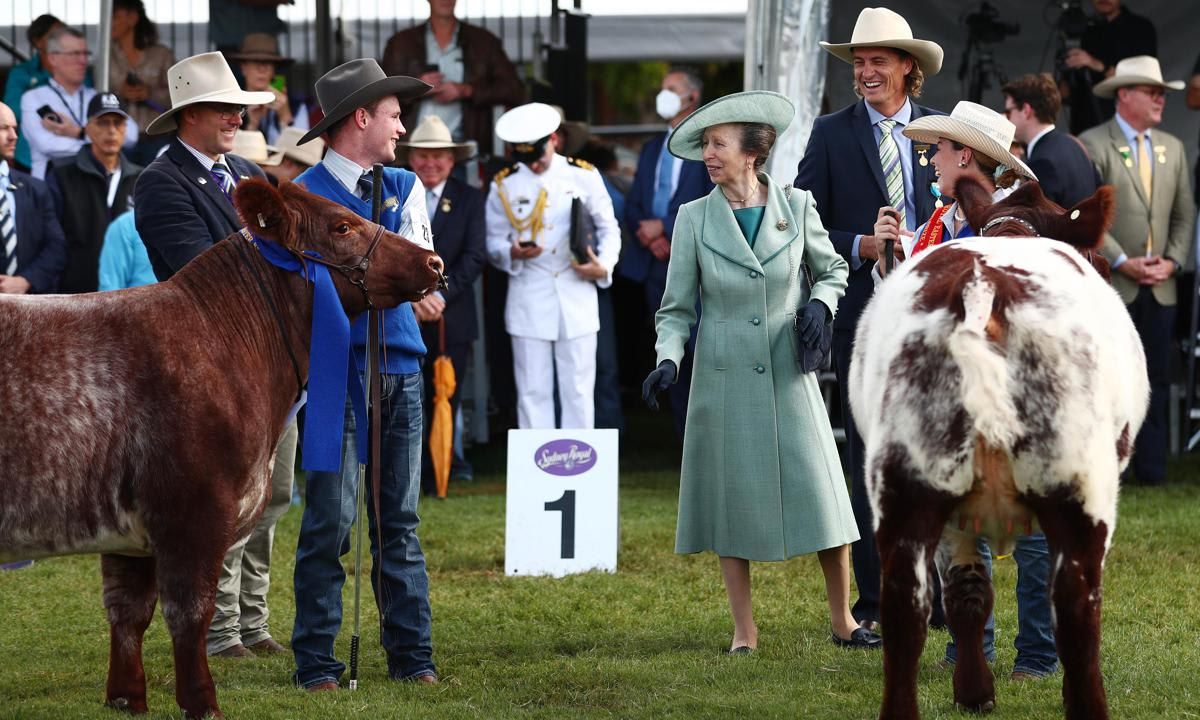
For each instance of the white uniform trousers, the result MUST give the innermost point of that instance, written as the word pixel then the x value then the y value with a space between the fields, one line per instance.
pixel 535 363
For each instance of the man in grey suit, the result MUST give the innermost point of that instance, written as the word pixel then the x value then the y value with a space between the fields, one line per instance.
pixel 1151 236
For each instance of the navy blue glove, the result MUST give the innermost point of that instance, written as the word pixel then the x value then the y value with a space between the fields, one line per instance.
pixel 659 379
pixel 810 321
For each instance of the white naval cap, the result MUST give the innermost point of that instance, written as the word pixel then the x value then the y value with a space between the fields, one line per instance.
pixel 528 123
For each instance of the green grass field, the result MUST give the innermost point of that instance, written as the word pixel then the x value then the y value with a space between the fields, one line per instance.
pixel 646 642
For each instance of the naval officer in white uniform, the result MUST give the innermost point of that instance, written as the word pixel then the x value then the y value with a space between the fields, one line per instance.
pixel 551 310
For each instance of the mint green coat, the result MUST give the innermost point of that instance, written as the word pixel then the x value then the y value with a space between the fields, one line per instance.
pixel 761 478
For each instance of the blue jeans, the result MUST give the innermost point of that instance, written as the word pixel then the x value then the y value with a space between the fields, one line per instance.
pixel 1036 654
pixel 402 594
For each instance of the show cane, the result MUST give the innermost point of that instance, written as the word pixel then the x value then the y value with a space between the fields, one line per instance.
pixel 373 441
pixel 889 248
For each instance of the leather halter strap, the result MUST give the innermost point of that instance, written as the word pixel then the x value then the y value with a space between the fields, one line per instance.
pixel 357 273
pixel 1025 224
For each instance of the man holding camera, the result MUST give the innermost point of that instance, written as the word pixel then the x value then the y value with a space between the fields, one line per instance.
pixel 551 311
pixel 1113 35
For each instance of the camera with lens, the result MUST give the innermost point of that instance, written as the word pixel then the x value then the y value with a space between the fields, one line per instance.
pixel 985 27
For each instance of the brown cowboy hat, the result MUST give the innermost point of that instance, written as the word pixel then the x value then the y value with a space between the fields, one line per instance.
pixel 355 84
pixel 260 47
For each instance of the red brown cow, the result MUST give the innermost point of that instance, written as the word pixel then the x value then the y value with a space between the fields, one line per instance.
pixel 997 382
pixel 141 424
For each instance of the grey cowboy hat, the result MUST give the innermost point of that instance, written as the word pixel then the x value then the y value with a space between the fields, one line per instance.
pixel 352 85
pixel 761 106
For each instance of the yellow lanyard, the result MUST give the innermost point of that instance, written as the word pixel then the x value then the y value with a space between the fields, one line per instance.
pixel 533 223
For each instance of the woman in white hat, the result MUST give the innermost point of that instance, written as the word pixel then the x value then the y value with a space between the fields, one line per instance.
pixel 761 478
pixel 973 141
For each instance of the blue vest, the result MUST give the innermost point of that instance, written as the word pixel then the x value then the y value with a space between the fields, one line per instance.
pixel 401 334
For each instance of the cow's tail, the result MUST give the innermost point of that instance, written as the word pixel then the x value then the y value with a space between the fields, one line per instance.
pixel 985 393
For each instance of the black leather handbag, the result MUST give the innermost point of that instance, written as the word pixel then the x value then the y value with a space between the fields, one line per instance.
pixel 583 231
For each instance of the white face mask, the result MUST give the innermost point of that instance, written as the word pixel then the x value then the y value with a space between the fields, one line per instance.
pixel 668 104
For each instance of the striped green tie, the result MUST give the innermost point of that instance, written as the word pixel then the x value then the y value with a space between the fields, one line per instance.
pixel 889 160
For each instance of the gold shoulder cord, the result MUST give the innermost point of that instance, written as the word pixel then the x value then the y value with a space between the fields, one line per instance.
pixel 533 223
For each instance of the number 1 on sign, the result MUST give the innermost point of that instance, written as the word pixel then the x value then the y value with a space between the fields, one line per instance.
pixel 566 505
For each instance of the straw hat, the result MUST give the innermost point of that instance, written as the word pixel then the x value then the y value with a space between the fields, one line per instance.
pixel 260 47
pixel 355 84
pixel 980 128
pixel 287 146
pixel 433 134
pixel 880 27
pixel 761 106
pixel 202 79
pixel 251 145
pixel 1136 70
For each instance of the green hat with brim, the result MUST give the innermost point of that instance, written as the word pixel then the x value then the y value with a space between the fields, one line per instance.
pixel 762 106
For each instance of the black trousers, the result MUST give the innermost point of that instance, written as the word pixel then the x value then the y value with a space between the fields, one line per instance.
pixel 864 555
pixel 1155 324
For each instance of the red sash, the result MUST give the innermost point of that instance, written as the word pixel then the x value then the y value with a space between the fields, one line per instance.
pixel 932 234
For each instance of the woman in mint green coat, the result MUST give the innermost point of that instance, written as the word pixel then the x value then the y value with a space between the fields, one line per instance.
pixel 761 478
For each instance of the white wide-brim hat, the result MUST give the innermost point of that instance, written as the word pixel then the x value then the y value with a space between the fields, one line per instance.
pixel 761 106
pixel 252 145
pixel 287 145
pixel 880 27
pixel 1136 70
pixel 201 79
pixel 980 128
pixel 432 134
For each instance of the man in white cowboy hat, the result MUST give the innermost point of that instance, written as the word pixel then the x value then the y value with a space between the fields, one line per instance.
pixel 857 161
pixel 1152 234
pixel 551 311
pixel 183 197
pixel 288 159
pixel 259 59
pixel 460 239
pixel 184 207
pixel 362 123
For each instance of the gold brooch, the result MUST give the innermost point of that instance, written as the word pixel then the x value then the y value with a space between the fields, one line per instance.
pixel 781 225
pixel 445 205
pixel 391 203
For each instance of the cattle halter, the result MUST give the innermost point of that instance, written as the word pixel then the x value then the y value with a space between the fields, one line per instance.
pixel 357 273
pixel 1009 218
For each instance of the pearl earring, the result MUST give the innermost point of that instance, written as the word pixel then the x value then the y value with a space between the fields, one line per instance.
pixel 961 164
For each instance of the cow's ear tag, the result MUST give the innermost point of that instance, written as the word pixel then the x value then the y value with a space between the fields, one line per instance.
pixel 1075 214
pixel 262 222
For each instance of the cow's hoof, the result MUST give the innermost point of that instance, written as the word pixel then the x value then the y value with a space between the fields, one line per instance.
pixel 133 707
pixel 981 708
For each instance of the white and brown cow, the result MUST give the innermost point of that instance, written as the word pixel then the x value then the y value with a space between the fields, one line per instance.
pixel 998 382
pixel 141 424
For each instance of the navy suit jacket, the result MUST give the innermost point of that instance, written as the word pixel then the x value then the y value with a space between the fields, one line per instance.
pixel 841 169
pixel 693 184
pixel 181 211
pixel 1064 169
pixel 460 238
pixel 41 245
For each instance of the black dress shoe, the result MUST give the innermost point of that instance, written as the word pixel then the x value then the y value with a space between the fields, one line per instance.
pixel 872 625
pixel 861 638
pixel 741 650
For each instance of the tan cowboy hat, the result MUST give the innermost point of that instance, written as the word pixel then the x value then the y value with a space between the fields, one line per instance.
pixel 1136 70
pixel 201 79
pixel 251 145
pixel 259 47
pixel 308 154
pixel 432 134
pixel 355 84
pixel 880 27
pixel 980 128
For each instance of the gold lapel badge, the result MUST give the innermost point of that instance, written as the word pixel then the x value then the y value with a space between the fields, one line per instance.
pixel 782 224
pixel 391 204
pixel 445 205
pixel 921 150
pixel 1124 150
pixel 1161 152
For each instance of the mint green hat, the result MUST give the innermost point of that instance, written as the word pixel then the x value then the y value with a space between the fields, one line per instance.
pixel 761 106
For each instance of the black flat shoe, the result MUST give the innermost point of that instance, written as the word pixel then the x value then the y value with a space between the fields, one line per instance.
pixel 741 650
pixel 861 638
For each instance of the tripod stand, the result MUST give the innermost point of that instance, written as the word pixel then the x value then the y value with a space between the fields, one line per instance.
pixel 979 71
